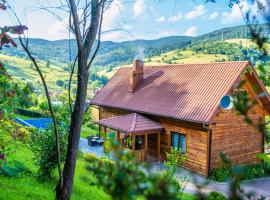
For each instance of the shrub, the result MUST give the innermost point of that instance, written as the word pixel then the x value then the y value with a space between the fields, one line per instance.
pixel 8 133
pixel 29 113
pixel 89 157
pixel 220 175
pixel 247 172
pixel 175 158
pixel 116 178
pixel 254 171
pixel 60 83
pixel 43 144
pixel 215 196
pixel 14 168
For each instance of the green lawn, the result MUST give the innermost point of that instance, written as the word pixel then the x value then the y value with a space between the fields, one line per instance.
pixel 29 187
pixel 86 131
pixel 13 116
pixel 185 57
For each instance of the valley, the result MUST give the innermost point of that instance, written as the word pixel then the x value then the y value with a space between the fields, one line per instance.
pixel 229 44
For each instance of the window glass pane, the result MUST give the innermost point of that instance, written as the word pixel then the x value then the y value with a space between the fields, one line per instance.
pixel 179 141
pixel 183 143
pixel 174 140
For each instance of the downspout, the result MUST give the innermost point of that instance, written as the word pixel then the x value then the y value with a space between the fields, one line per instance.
pixel 209 148
pixel 99 112
pixel 99 128
pixel 262 129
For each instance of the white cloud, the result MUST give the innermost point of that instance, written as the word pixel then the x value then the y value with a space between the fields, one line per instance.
pixel 197 12
pixel 112 20
pixel 58 29
pixel 233 16
pixel 161 19
pixel 112 15
pixel 191 31
pixel 166 33
pixel 114 36
pixel 214 15
pixel 175 18
pixel 139 8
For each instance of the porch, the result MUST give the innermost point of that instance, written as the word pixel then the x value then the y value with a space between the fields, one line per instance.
pixel 136 132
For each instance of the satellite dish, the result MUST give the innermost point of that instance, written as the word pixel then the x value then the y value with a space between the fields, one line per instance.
pixel 226 102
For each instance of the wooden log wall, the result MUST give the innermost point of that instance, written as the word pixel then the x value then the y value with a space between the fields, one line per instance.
pixel 232 134
pixel 239 140
pixel 197 140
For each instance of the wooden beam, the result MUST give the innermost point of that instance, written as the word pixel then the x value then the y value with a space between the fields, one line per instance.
pixel 133 142
pixel 145 146
pixel 105 130
pixel 158 146
pixel 118 136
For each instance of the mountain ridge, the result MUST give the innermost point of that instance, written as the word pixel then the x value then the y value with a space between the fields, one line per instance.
pixel 112 54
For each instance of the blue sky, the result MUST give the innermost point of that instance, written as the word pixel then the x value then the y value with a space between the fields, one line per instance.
pixel 139 19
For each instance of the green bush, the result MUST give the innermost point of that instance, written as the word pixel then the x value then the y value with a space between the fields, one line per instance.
pixel 215 196
pixel 89 157
pixel 116 178
pixel 29 113
pixel 60 83
pixel 43 145
pixel 248 172
pixel 220 175
pixel 254 171
pixel 14 169
pixel 267 168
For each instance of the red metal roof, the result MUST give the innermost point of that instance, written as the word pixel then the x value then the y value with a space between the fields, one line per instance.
pixel 130 123
pixel 190 92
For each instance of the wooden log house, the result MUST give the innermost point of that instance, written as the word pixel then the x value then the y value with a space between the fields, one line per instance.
pixel 179 106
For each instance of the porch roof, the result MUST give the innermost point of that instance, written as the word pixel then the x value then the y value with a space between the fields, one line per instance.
pixel 131 123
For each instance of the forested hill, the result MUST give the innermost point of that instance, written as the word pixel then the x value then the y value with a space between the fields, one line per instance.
pixel 232 33
pixel 110 53
pixel 119 53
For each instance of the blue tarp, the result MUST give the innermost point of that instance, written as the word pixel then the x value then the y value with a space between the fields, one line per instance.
pixel 40 123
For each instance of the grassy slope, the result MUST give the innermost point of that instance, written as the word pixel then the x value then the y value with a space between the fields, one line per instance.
pixel 21 69
pixel 245 42
pixel 186 56
pixel 13 116
pixel 29 187
pixel 86 131
pixel 176 57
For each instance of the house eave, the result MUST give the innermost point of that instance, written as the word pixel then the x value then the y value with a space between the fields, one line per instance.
pixel 153 114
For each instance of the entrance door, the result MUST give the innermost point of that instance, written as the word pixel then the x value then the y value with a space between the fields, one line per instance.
pixel 152 143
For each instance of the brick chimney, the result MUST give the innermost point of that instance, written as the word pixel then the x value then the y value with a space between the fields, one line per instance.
pixel 136 76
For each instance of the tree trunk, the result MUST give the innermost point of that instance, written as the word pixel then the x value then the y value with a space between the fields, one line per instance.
pixel 64 192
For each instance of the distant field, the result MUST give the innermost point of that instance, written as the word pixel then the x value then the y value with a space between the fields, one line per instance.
pixel 23 69
pixel 245 42
pixel 185 56
pixel 175 57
